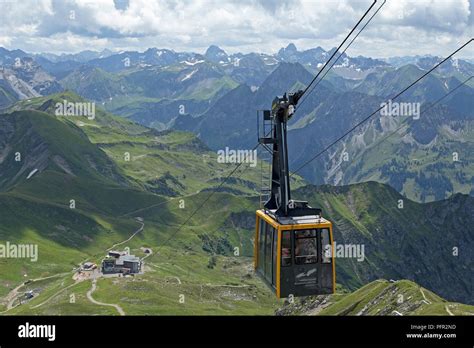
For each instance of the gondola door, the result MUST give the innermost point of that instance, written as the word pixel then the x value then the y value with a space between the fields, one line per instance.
pixel 305 270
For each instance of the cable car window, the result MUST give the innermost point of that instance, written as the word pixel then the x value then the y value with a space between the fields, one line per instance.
pixel 268 252
pixel 286 248
pixel 326 249
pixel 306 249
pixel 274 251
pixel 261 244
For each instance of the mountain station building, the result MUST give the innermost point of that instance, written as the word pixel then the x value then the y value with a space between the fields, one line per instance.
pixel 125 264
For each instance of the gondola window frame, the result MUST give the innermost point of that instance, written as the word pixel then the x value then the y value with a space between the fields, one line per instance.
pixel 268 263
pixel 325 259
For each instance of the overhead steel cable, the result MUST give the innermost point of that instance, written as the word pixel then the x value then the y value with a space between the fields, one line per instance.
pixel 208 197
pixel 324 150
pixel 340 55
pixel 404 123
pixel 204 202
pixel 165 201
pixel 338 48
pixel 179 197
pixel 380 108
pixel 237 167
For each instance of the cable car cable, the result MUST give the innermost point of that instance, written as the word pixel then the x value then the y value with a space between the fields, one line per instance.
pixel 208 197
pixel 314 79
pixel 338 48
pixel 317 155
pixel 235 169
pixel 373 113
pixel 381 140
pixel 340 55
pixel 204 202
pixel 157 204
pixel 329 146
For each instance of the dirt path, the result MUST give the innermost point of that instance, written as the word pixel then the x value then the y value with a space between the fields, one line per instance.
pixel 147 255
pixel 174 277
pixel 423 294
pixel 161 203
pixel 130 238
pixel 89 296
pixel 11 297
pixel 448 310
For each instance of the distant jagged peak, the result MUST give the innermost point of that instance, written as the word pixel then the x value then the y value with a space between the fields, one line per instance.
pixel 158 51
pixel 216 54
pixel 290 49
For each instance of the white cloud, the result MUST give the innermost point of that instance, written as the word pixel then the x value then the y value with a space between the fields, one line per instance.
pixel 401 28
pixel 65 42
pixel 448 15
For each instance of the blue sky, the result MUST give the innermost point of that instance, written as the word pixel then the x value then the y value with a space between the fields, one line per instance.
pixel 401 28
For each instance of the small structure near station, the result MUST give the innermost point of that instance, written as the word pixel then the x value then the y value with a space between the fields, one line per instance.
pixel 29 295
pixel 88 266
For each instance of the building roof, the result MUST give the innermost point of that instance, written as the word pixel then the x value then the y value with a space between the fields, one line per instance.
pixel 129 258
pixel 123 258
pixel 115 252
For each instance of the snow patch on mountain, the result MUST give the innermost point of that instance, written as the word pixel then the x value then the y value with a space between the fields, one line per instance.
pixel 188 76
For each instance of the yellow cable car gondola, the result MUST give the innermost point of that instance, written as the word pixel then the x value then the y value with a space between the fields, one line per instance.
pixel 293 250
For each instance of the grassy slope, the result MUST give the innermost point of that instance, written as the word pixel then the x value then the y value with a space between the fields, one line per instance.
pixel 182 256
pixel 187 243
pixel 128 92
pixel 420 160
pixel 415 242
pixel 379 297
pixel 229 288
pixel 67 236
pixel 169 163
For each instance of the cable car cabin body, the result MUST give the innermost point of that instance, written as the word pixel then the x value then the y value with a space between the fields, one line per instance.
pixel 294 256
pixel 293 242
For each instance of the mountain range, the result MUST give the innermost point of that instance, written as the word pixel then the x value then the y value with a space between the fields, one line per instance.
pixel 215 95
